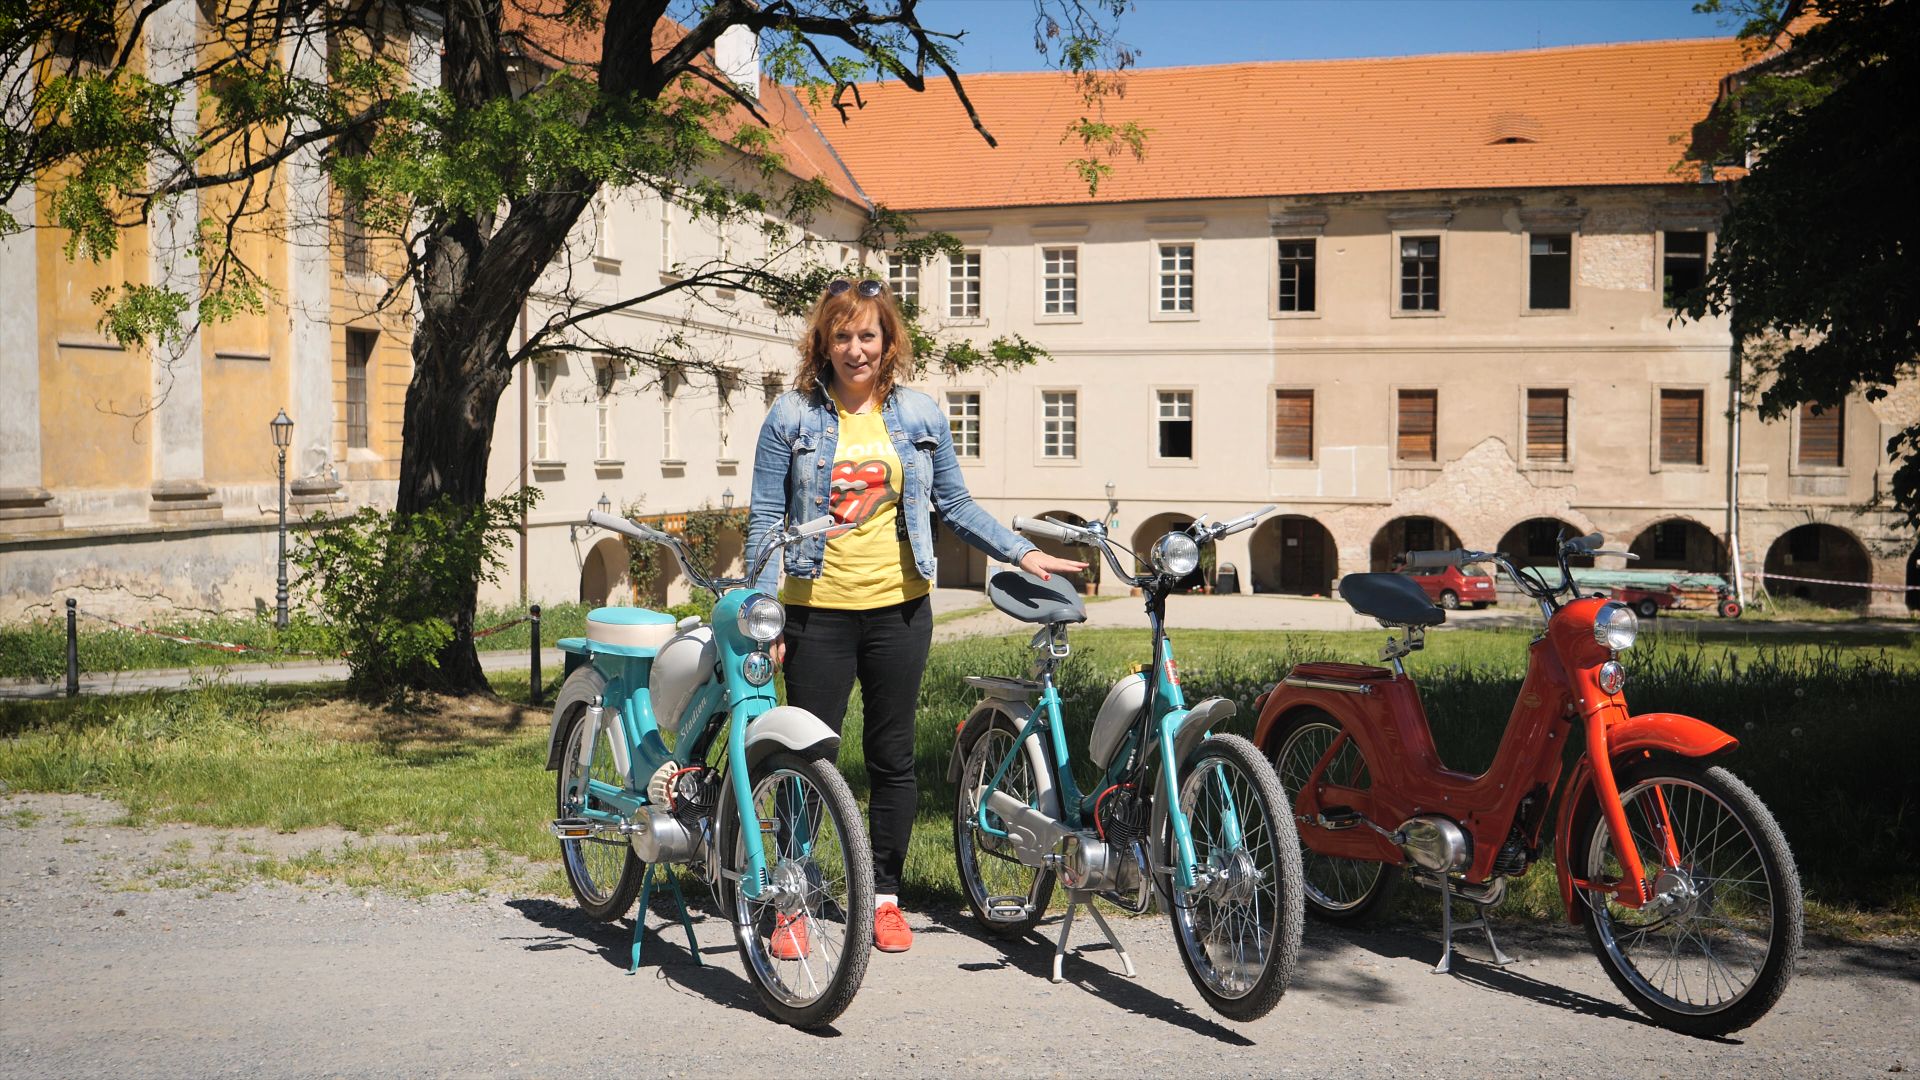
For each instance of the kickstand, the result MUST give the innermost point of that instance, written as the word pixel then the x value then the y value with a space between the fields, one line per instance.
pixel 1075 898
pixel 1448 928
pixel 640 917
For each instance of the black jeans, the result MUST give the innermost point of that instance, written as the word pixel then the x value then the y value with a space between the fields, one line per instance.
pixel 886 650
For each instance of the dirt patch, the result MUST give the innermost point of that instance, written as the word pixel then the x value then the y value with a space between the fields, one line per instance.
pixel 433 720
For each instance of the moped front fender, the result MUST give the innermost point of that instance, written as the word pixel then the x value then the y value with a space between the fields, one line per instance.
pixel 1646 733
pixel 787 727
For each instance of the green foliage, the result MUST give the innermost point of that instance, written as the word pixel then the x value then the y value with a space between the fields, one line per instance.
pixel 1824 299
pixel 381 583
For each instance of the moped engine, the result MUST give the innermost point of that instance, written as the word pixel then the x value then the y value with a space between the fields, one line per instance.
pixel 676 825
pixel 1435 843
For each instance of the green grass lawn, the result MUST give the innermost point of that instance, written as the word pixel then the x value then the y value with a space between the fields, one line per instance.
pixel 1825 736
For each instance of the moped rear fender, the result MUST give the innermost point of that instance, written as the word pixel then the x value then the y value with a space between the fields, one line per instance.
pixel 787 727
pixel 1670 733
pixel 1047 795
pixel 583 685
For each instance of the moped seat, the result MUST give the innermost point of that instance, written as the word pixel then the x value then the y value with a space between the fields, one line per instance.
pixel 1031 600
pixel 1391 598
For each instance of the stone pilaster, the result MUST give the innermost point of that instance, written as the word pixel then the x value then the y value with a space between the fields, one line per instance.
pixel 25 506
pixel 309 289
pixel 180 491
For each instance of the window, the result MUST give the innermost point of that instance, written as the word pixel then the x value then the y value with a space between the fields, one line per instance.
pixel 772 386
pixel 1546 425
pixel 1059 426
pixel 666 430
pixel 356 246
pixel 1173 417
pixel 1683 266
pixel 543 374
pixel 1670 541
pixel 1821 441
pixel 963 416
pixel 603 249
pixel 603 376
pixel 1293 425
pixel 1420 273
pixel 903 277
pixel 666 237
pixel 1680 417
pixel 1417 416
pixel 1060 281
pixel 1550 272
pixel 963 285
pixel 1297 275
pixel 1176 277
pixel 359 357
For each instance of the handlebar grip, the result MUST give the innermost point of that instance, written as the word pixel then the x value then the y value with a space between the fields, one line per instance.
pixel 815 527
pixel 1245 521
pixel 1422 559
pixel 1583 545
pixel 620 525
pixel 1050 530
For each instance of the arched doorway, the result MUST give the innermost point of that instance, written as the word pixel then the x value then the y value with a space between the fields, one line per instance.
pixel 1087 580
pixel 1160 524
pixel 1293 554
pixel 1404 534
pixel 1535 542
pixel 1819 551
pixel 604 580
pixel 1678 544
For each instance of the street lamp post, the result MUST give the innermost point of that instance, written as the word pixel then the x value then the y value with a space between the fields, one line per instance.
pixel 726 499
pixel 282 429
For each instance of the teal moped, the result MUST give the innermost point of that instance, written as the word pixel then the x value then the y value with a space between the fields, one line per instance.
pixel 672 749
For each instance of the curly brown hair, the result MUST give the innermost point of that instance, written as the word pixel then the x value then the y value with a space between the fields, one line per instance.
pixel 835 310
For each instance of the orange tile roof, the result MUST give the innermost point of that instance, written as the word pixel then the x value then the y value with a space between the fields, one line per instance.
pixel 1594 115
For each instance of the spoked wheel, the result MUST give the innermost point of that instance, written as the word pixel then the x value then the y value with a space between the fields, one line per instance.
pixel 1716 946
pixel 604 873
pixel 805 939
pixel 1007 897
pixel 1238 928
pixel 1339 890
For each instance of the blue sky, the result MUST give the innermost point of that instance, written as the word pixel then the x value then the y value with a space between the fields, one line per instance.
pixel 1180 32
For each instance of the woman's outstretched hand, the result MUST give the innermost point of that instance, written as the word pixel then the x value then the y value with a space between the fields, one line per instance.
pixel 1044 566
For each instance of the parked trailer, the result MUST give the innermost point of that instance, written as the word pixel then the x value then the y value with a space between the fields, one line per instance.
pixel 1650 592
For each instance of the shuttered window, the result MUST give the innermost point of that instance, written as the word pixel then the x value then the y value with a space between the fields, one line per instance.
pixel 359 356
pixel 1680 417
pixel 1293 425
pixel 1417 409
pixel 1546 425
pixel 1820 441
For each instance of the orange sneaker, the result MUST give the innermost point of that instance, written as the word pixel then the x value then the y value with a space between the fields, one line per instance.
pixel 789 937
pixel 890 930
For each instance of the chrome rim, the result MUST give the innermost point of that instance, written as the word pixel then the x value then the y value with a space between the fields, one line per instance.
pixel 1229 922
pixel 807 881
pixel 993 876
pixel 1701 943
pixel 593 864
pixel 1332 883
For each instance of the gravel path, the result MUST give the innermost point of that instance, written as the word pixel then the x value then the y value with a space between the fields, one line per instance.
pixel 274 980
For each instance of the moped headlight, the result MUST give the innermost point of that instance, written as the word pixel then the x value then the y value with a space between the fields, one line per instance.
pixel 1612 677
pixel 762 618
pixel 1175 555
pixel 1615 626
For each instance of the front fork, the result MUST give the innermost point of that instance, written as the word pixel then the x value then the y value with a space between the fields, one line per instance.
pixel 1632 889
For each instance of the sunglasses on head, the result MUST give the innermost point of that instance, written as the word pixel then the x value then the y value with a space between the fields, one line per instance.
pixel 867 287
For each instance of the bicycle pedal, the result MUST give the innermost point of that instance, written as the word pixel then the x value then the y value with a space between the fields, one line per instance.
pixel 1338 817
pixel 572 828
pixel 1007 907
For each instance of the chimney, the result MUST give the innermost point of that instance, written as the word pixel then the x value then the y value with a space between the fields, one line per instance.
pixel 737 54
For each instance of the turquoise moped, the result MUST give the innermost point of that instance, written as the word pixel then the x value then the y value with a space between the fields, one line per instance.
pixel 672 749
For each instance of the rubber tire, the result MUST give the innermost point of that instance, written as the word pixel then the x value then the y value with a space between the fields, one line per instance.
pixel 858 851
pixel 1449 599
pixel 1731 609
pixel 1785 897
pixel 1040 887
pixel 1267 990
pixel 627 886
pixel 1373 902
pixel 1647 609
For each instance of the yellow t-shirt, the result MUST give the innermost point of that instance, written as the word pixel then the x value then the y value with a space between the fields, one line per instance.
pixel 871 566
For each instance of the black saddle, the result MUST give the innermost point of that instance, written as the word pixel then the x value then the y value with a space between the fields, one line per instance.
pixel 1029 599
pixel 1392 598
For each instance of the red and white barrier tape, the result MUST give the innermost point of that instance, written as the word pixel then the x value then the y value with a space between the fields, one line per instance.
pixel 1832 581
pixel 492 630
pixel 179 639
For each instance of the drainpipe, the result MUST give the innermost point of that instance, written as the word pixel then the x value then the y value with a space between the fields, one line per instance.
pixel 524 373
pixel 1734 373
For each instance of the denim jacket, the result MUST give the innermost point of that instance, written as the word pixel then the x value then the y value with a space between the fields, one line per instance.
pixel 793 463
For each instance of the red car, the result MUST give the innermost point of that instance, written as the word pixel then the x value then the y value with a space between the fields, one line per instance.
pixel 1450 586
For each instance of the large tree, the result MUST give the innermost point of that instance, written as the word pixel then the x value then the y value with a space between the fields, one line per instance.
pixel 1818 259
pixel 479 180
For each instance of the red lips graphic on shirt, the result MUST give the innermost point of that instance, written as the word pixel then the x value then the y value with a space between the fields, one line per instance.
pixel 857 492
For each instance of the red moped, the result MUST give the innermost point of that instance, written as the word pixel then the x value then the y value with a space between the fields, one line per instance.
pixel 1680 875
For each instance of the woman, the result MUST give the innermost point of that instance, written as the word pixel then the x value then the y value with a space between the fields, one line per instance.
pixel 848 440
